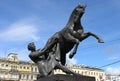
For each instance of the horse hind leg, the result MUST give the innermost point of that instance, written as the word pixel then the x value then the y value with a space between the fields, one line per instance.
pixel 66 70
pixel 50 43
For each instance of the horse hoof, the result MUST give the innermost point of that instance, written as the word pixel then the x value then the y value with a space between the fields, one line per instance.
pixel 101 41
pixel 70 56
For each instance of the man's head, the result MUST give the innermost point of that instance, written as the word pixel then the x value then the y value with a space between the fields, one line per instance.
pixel 31 46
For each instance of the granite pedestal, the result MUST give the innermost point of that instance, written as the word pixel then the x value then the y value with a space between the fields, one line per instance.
pixel 63 77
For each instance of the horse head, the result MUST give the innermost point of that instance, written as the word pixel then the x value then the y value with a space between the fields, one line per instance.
pixel 77 13
pixel 79 10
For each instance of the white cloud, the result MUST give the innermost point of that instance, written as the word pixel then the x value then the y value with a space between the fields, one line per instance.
pixel 19 31
pixel 113 58
pixel 71 61
pixel 111 51
pixel 113 71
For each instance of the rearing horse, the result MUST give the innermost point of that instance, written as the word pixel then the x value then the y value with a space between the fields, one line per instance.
pixel 69 36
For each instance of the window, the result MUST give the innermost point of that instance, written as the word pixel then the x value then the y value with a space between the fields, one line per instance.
pixel 20 76
pixel 100 77
pixel 35 69
pixel 91 73
pixel 14 76
pixel 24 76
pixel 24 67
pixel 6 66
pixel 97 74
pixel 27 77
pixel 15 67
pixel 31 77
pixel 75 71
pixel 94 73
pixel 32 69
pixel 82 72
pixel 6 76
pixel 27 67
pixel 2 66
pixel 34 77
pixel 1 75
pixel 20 67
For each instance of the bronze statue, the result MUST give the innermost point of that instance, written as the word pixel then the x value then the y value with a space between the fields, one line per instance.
pixel 66 39
pixel 46 64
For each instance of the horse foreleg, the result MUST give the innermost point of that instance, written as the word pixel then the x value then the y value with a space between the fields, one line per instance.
pixel 98 38
pixel 86 35
pixel 74 51
pixel 72 39
pixel 82 37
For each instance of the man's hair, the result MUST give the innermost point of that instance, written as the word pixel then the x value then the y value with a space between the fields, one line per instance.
pixel 31 46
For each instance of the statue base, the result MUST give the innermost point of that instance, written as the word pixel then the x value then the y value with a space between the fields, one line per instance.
pixel 63 77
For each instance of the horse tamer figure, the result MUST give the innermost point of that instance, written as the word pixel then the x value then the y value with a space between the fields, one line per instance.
pixel 68 38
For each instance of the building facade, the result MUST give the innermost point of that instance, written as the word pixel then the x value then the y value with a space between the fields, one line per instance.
pixel 99 74
pixel 110 77
pixel 12 69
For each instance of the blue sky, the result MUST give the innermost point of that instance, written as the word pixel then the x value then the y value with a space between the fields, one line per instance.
pixel 24 21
